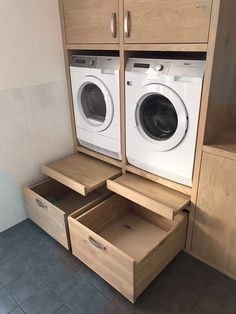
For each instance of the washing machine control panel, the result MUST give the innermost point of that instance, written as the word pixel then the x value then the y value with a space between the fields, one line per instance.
pixel 95 62
pixel 166 67
pixel 144 66
pixel 84 61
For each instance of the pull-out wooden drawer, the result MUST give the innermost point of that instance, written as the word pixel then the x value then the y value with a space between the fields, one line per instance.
pixel 154 196
pixel 125 243
pixel 49 203
pixel 81 173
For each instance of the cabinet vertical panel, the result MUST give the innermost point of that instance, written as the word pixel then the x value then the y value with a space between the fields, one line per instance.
pixel 161 21
pixel 91 21
pixel 214 231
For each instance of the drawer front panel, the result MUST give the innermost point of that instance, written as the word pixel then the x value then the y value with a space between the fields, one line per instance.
pixel 47 216
pixel 113 266
pixel 162 21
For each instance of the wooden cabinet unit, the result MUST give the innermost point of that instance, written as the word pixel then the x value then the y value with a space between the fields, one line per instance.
pixel 129 237
pixel 214 233
pixel 162 21
pixel 125 243
pixel 49 203
pixel 91 21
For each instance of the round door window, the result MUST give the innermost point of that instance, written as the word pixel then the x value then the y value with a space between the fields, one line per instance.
pixel 93 104
pixel 161 117
pixel 158 117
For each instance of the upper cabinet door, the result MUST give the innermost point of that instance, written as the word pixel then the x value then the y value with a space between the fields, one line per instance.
pixel 91 21
pixel 166 21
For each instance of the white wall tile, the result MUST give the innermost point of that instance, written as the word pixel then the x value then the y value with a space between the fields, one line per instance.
pixel 60 115
pixel 12 127
pixel 31 53
pixel 12 209
pixel 60 88
pixel 11 102
pixel 17 160
pixel 38 97
pixel 51 144
pixel 39 120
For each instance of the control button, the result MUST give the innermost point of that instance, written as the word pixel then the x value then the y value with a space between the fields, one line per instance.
pixel 91 62
pixel 159 67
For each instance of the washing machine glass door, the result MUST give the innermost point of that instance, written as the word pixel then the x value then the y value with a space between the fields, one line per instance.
pixel 95 103
pixel 161 117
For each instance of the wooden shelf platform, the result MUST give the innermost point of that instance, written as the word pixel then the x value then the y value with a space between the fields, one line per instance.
pixel 156 197
pixel 81 173
pixel 224 146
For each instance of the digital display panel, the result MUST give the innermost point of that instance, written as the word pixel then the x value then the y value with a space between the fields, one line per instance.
pixel 142 65
pixel 80 61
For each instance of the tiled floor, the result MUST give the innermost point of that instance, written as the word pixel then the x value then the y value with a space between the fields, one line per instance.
pixel 38 276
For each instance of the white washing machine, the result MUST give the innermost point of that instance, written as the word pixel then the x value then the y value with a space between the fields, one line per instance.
pixel 95 89
pixel 162 111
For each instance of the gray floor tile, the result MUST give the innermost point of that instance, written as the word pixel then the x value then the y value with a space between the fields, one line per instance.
pixel 61 277
pixel 53 266
pixel 181 284
pixel 146 303
pixel 21 228
pixel 108 291
pixel 111 309
pixel 44 301
pixel 67 286
pixel 18 310
pixel 8 249
pixel 25 286
pixel 88 301
pixel 218 298
pixel 85 270
pixel 39 251
pixel 12 269
pixel 7 303
pixel 64 310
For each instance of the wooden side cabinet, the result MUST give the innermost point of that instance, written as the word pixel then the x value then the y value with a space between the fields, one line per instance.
pixel 161 21
pixel 91 21
pixel 214 235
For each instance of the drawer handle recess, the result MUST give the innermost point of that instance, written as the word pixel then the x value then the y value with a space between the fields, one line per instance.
pixel 95 243
pixel 40 203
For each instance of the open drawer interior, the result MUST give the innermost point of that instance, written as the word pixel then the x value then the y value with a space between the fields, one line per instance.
pixel 154 196
pixel 63 197
pixel 81 173
pixel 125 243
pixel 129 227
